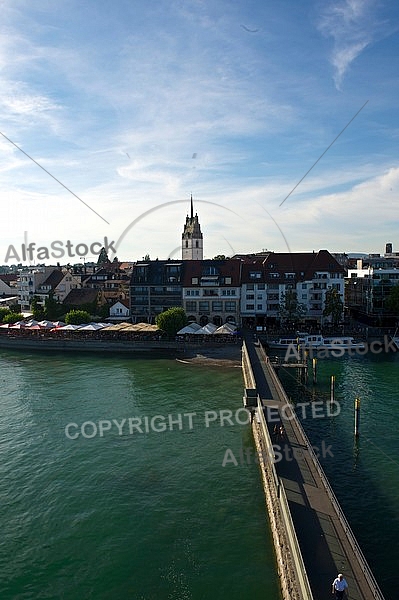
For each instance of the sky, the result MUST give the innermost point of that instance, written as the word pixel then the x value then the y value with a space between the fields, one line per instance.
pixel 280 118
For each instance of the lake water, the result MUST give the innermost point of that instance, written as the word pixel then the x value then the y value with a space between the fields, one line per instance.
pixel 364 473
pixel 151 515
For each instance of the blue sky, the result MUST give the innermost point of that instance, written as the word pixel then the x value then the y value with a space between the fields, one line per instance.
pixel 135 105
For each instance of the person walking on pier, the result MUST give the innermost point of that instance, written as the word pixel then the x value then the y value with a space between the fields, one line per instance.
pixel 339 586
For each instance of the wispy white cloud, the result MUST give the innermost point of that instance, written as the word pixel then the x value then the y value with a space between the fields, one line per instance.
pixel 115 103
pixel 353 26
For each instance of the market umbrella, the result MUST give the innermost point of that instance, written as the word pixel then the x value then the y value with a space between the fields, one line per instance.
pixel 46 324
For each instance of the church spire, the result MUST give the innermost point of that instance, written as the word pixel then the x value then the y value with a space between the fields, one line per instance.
pixel 192 244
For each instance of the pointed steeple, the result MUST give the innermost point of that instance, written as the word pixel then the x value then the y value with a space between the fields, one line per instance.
pixel 192 244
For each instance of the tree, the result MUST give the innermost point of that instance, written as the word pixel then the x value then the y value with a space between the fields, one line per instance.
pixel 3 313
pixel 290 309
pixel 37 309
pixel 13 317
pixel 52 309
pixel 77 317
pixel 333 306
pixel 172 320
pixel 392 301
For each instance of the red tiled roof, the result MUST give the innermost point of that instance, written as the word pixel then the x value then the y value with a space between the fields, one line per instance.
pixel 224 268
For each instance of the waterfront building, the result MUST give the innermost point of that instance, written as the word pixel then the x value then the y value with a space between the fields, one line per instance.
pixel 83 299
pixel 305 276
pixel 8 284
pixel 211 291
pixel 192 239
pixel 29 282
pixel 120 311
pixel 58 285
pixel 155 286
pixel 367 288
pixel 111 281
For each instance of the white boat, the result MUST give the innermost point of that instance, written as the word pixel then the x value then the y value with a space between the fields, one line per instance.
pixel 317 342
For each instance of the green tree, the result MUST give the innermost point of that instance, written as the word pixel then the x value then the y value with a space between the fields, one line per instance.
pixel 52 309
pixel 333 306
pixel 103 311
pixel 77 317
pixel 290 309
pixel 15 308
pixel 172 320
pixel 37 309
pixel 3 313
pixel 392 301
pixel 13 317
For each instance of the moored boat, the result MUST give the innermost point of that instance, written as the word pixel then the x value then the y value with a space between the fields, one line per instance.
pixel 317 342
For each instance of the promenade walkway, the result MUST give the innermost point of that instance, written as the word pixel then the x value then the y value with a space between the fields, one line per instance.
pixel 325 538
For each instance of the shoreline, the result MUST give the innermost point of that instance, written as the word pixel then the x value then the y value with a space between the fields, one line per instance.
pixel 221 354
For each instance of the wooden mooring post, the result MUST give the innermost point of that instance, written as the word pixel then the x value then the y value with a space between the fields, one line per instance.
pixel 314 367
pixel 357 416
pixel 332 389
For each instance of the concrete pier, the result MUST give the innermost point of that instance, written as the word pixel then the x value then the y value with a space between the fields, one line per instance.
pixel 312 537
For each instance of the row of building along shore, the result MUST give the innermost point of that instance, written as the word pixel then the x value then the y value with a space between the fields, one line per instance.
pixel 262 290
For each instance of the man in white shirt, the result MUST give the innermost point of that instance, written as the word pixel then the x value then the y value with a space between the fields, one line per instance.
pixel 339 586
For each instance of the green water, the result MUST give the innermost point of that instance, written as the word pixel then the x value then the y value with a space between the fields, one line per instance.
pixel 150 515
pixel 364 473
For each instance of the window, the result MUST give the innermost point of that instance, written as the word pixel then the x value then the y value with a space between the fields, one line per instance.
pixel 191 305
pixel 250 286
pixel 250 296
pixel 227 280
pixel 230 306
pixel 217 306
pixel 259 307
pixel 196 243
pixel 255 275
pixel 203 306
pixel 261 286
pixel 210 270
pixel 249 307
pixel 304 286
pixel 194 280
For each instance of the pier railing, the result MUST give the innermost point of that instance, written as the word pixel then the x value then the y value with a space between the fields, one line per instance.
pixel 247 370
pixel 348 531
pixel 294 578
pixel 302 577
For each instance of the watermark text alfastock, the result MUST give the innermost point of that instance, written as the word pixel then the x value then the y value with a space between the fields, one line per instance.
pixel 339 349
pixel 32 252
pixel 278 453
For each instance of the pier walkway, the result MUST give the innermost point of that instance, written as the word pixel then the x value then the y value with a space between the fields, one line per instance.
pixel 326 542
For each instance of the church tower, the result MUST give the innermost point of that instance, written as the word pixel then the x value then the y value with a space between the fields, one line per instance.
pixel 192 243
